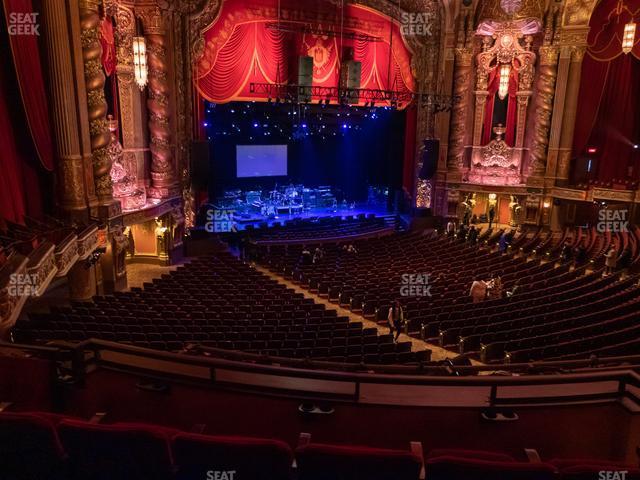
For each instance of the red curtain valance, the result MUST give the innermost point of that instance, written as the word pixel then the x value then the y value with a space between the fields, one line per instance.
pixel 243 47
pixel 607 29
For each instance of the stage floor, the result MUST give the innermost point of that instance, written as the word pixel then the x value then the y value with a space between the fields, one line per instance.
pixel 379 210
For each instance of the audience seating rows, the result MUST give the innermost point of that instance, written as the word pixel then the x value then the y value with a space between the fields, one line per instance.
pixel 556 304
pixel 39 446
pixel 220 302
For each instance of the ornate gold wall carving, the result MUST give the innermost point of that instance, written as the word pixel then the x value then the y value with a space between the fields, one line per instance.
pixel 462 83
pixel 97 106
pixel 63 109
pixel 163 177
pixel 544 108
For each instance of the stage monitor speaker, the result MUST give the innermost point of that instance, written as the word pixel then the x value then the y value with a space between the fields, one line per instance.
pixel 305 78
pixel 350 76
pixel 199 165
pixel 429 157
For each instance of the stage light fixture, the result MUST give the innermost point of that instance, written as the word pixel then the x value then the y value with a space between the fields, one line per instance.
pixel 629 37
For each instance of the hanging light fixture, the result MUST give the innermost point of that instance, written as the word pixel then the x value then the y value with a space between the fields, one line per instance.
pixel 629 37
pixel 505 72
pixel 140 61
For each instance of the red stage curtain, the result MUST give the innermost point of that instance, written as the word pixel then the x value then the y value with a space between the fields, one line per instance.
pixel 28 69
pixel 242 47
pixel 19 182
pixel 607 117
pixel 512 109
pixel 493 87
pixel 108 44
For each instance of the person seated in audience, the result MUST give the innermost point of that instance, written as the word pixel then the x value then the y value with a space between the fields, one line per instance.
pixel 317 255
pixel 472 237
pixel 451 228
pixel 610 261
pixel 395 319
pixel 515 289
pixel 306 256
pixel 580 255
pixel 474 219
pixel 502 243
pixel 567 251
pixel 352 249
pixel 495 292
pixel 478 290
pixel 462 232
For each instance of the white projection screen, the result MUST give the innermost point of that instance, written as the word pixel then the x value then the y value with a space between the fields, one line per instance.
pixel 261 161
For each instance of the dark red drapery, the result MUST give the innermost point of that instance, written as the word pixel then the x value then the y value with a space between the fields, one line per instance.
pixel 28 70
pixel 608 110
pixel 512 107
pixel 243 46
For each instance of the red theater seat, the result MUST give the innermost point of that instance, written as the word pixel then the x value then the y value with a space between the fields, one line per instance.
pixel 456 468
pixel 200 456
pixel 323 462
pixel 30 448
pixel 121 451
pixel 470 454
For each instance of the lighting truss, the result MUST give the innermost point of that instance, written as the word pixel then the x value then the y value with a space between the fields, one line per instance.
pixel 292 93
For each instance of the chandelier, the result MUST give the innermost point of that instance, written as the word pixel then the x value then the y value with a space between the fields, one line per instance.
pixel 505 72
pixel 628 39
pixel 140 61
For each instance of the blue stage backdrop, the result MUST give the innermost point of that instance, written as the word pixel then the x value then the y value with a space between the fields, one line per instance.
pixel 347 148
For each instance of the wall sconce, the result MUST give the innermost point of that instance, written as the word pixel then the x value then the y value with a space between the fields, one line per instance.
pixel 140 61
pixel 629 37
pixel 505 73
pixel 546 204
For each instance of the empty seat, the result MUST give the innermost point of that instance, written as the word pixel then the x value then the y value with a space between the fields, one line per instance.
pixel 458 468
pixel 121 451
pixel 249 458
pixel 324 462
pixel 30 448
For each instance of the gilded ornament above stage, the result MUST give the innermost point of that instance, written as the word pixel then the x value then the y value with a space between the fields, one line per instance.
pixel 526 14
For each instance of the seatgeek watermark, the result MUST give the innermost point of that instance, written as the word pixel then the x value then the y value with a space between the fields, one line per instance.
pixel 417 24
pixel 612 475
pixel 415 285
pixel 21 23
pixel 613 220
pixel 221 475
pixel 23 285
pixel 220 221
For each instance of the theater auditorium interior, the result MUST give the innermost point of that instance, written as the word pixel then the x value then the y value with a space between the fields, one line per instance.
pixel 320 239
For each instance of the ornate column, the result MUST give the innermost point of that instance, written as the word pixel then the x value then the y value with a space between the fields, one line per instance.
pixel 570 111
pixel 525 82
pixel 135 151
pixel 544 109
pixel 72 194
pixel 163 178
pixel 481 92
pixel 461 87
pixel 564 63
pixel 96 104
